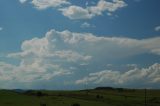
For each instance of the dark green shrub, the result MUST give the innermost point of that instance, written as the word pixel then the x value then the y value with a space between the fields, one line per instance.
pixel 43 104
pixel 39 94
pixel 75 104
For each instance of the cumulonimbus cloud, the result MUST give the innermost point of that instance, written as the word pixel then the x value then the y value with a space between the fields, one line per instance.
pixel 85 46
pixel 62 53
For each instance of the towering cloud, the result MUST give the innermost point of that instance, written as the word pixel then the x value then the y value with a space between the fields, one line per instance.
pixel 64 53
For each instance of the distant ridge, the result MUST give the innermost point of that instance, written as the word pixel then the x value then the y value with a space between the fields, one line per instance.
pixel 19 90
pixel 104 88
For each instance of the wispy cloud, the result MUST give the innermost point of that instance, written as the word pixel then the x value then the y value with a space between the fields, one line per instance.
pixel 87 25
pixel 44 4
pixel 1 28
pixel 23 1
pixel 157 28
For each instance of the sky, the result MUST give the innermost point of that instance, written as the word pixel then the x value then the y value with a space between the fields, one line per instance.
pixel 79 44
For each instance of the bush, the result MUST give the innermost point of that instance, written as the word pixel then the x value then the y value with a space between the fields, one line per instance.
pixel 120 89
pixel 29 92
pixel 43 104
pixel 75 104
pixel 39 94
pixel 99 97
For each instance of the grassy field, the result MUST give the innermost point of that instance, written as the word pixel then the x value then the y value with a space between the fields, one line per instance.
pixel 116 97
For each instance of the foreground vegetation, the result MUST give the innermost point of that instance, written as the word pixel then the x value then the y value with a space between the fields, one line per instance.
pixel 96 97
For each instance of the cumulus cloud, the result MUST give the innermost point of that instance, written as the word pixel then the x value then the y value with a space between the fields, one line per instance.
pixel 70 46
pixel 136 75
pixel 56 53
pixel 30 71
pixel 6 71
pixel 43 4
pixel 77 12
pixel 86 25
pixel 157 28
pixel 57 45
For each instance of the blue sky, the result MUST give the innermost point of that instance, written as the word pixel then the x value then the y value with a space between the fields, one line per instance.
pixel 66 44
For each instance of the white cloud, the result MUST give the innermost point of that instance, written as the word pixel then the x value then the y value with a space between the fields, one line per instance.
pixel 157 28
pixel 54 54
pixel 82 46
pixel 57 45
pixel 30 71
pixel 77 12
pixel 22 1
pixel 136 75
pixel 86 25
pixel 107 6
pixel 6 71
pixel 44 4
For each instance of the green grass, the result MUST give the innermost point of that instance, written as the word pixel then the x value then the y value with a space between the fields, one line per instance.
pixel 84 98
